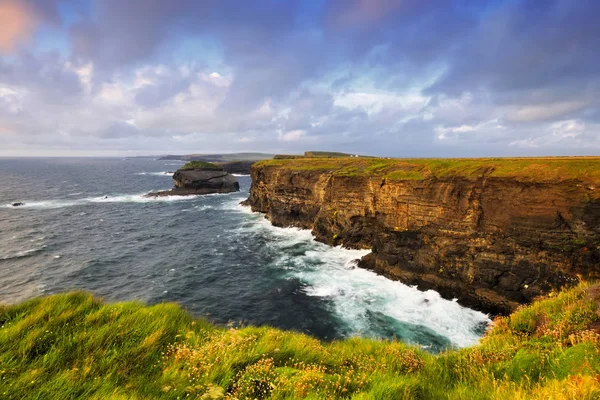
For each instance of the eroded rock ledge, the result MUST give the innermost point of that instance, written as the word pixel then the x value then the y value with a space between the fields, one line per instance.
pixel 491 233
pixel 204 180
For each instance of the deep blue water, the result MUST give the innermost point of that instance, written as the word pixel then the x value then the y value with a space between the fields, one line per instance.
pixel 87 225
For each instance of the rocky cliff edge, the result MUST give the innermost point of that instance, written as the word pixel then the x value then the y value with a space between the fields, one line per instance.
pixel 492 233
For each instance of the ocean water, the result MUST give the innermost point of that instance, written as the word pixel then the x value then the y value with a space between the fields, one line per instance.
pixel 87 225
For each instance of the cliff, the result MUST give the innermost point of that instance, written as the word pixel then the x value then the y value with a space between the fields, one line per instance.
pixel 199 177
pixel 492 233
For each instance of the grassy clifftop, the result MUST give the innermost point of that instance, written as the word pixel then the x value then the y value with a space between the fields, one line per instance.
pixel 201 165
pixel 524 169
pixel 75 346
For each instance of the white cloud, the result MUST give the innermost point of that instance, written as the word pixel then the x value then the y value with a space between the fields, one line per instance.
pixel 568 128
pixel 542 112
pixel 451 132
pixel 292 136
pixel 567 134
pixel 216 79
pixel 374 102
pixel 114 94
pixel 11 99
pixel 84 72
pixel 162 108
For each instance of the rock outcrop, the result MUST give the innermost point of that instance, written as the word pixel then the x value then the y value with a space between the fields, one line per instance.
pixel 205 180
pixel 487 236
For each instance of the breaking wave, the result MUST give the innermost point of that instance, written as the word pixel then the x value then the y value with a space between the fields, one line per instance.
pixel 129 198
pixel 22 253
pixel 365 303
pixel 164 173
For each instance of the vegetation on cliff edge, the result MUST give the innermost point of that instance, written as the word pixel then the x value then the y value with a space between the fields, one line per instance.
pixel 200 165
pixel 585 169
pixel 74 346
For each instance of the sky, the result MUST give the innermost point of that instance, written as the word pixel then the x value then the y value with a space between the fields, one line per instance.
pixel 404 78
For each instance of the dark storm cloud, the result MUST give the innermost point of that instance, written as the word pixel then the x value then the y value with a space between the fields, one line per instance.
pixel 526 47
pixel 124 32
pixel 544 49
pixel 121 32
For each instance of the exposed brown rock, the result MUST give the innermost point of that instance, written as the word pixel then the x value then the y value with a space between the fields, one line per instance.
pixel 491 242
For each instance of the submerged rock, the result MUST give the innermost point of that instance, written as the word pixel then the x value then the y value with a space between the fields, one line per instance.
pixel 18 204
pixel 200 178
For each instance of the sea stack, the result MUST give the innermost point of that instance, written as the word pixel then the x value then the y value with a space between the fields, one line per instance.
pixel 198 177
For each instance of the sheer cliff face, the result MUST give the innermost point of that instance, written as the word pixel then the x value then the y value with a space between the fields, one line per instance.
pixel 492 242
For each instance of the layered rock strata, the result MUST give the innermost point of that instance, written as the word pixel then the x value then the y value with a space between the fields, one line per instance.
pixel 196 181
pixel 490 241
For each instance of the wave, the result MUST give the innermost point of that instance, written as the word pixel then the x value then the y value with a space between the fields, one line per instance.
pixel 240 174
pixel 164 173
pixel 365 303
pixel 370 304
pixel 128 198
pixel 125 198
pixel 23 253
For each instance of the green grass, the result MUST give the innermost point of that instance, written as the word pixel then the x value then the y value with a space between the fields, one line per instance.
pixel 325 154
pixel 549 169
pixel 200 165
pixel 73 345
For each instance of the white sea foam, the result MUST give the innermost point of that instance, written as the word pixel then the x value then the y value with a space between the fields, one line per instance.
pixel 139 198
pixel 240 174
pixel 164 173
pixel 126 198
pixel 203 207
pixel 22 253
pixel 358 296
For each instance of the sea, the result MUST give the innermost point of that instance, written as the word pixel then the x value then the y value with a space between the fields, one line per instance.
pixel 86 225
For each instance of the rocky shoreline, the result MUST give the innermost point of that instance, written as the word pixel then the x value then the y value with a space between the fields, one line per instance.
pixel 493 242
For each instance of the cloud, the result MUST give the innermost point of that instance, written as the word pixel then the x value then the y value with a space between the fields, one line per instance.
pixel 470 132
pixel 17 22
pixel 567 133
pixel 542 112
pixel 356 12
pixel 388 77
pixel 292 136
